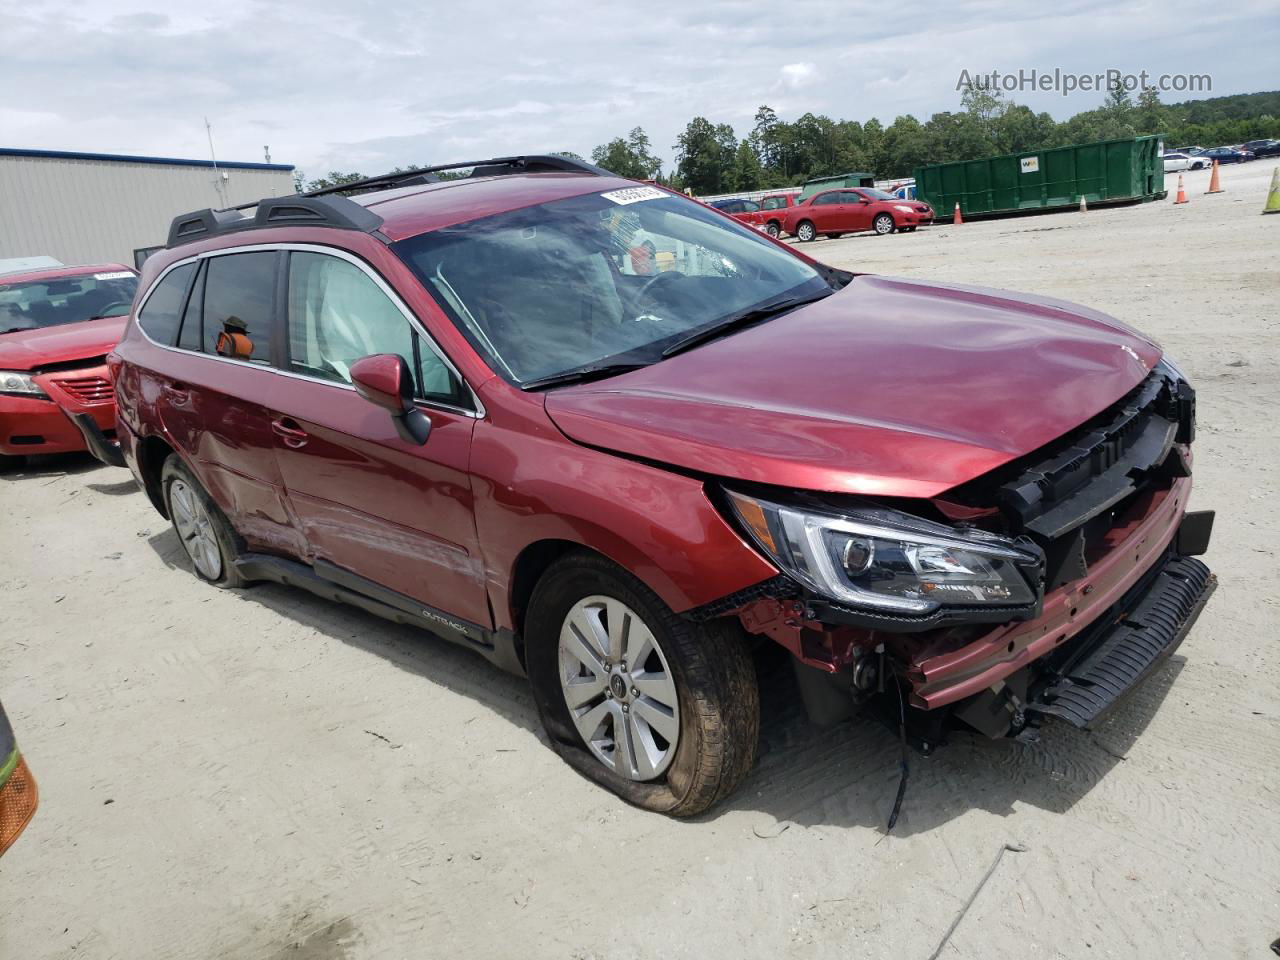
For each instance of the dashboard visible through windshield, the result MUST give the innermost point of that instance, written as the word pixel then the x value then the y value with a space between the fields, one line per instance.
pixel 605 278
pixel 62 300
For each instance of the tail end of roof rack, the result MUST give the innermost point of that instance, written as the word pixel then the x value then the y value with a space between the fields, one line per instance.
pixel 291 211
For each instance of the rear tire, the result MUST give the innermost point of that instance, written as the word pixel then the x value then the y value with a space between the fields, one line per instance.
pixel 883 224
pixel 207 537
pixel 704 747
pixel 806 232
pixel 772 229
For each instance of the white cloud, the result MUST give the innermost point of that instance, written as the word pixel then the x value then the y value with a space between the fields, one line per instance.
pixel 333 85
pixel 797 75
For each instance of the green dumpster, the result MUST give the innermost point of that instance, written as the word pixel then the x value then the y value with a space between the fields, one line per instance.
pixel 1109 171
pixel 818 184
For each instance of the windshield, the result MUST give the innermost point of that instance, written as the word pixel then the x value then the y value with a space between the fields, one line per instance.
pixel 877 194
pixel 51 303
pixel 607 277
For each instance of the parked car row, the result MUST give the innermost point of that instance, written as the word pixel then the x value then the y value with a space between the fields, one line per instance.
pixel 1196 158
pixel 614 441
pixel 830 213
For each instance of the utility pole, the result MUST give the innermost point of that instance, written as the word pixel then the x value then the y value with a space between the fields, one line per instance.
pixel 266 152
pixel 218 182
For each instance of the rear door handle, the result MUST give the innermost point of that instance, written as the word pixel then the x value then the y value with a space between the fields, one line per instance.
pixel 287 429
pixel 179 393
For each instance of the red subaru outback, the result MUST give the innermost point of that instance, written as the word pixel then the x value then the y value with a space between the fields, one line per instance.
pixel 56 326
pixel 461 404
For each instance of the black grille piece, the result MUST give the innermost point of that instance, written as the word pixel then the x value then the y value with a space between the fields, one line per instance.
pixel 1129 650
pixel 1091 471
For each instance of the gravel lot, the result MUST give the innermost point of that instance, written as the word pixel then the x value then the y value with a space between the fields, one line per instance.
pixel 265 775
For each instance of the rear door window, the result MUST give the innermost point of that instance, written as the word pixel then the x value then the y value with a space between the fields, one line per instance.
pixel 239 300
pixel 160 315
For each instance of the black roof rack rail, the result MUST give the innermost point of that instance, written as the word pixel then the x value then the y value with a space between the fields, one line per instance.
pixel 297 210
pixel 498 166
pixel 329 208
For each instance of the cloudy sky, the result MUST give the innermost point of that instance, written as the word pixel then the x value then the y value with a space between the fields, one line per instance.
pixel 369 86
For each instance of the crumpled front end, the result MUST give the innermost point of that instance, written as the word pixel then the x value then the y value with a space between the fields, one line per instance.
pixel 1104 512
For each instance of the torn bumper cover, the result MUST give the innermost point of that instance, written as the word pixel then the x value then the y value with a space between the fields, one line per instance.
pixel 1083 684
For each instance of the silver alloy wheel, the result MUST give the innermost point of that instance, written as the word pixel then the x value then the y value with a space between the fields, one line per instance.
pixel 195 529
pixel 619 688
pixel 884 224
pixel 807 232
pixel 772 230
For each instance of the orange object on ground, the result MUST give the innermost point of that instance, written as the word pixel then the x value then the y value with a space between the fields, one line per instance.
pixel 957 219
pixel 1214 186
pixel 18 800
pixel 1182 193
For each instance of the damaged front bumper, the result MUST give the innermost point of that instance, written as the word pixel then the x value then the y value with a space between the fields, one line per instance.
pixel 1090 641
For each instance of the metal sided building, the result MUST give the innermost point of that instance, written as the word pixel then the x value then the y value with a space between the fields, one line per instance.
pixel 97 207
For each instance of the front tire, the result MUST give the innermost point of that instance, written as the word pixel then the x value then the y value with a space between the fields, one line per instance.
pixel 883 224
pixel 207 538
pixel 772 229
pixel 662 711
pixel 806 231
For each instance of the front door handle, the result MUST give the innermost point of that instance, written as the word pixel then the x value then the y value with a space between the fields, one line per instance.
pixel 287 429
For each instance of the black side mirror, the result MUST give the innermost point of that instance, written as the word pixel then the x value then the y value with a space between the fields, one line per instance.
pixel 384 379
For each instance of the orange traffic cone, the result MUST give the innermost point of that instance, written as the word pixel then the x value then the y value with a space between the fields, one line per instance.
pixel 1182 193
pixel 957 219
pixel 1214 186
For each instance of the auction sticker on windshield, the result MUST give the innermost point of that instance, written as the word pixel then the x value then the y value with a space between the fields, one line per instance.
pixel 113 275
pixel 634 194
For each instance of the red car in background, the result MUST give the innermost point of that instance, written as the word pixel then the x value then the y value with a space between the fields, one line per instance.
pixel 767 213
pixel 834 213
pixel 57 325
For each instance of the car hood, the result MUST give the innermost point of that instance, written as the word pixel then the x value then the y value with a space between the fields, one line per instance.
pixel 889 387
pixel 32 349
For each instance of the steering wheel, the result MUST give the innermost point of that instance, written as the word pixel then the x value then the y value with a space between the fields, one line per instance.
pixel 645 293
pixel 106 310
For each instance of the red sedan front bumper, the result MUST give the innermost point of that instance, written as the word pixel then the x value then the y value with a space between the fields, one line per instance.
pixel 30 424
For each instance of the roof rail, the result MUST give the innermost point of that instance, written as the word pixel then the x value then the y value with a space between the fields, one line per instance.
pixel 498 166
pixel 297 210
pixel 329 208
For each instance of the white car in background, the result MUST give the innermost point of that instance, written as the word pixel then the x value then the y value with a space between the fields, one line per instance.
pixel 1177 162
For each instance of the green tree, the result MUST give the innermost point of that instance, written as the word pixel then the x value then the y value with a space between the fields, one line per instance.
pixel 631 158
pixel 704 156
pixel 1149 115
pixel 747 174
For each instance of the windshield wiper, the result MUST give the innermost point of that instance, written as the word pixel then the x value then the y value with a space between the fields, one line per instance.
pixel 593 371
pixel 739 320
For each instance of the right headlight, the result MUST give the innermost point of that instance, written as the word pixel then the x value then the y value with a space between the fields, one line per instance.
pixel 15 381
pixel 888 561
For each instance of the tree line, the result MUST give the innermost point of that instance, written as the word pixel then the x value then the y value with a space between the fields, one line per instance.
pixel 711 159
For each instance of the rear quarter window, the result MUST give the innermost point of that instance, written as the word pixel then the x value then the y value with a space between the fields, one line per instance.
pixel 162 312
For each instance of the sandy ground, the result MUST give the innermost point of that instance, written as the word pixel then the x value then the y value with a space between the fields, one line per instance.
pixel 265 775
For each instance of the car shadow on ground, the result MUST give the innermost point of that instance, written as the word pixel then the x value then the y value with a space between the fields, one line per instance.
pixel 845 775
pixel 848 774
pixel 49 465
pixel 417 651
